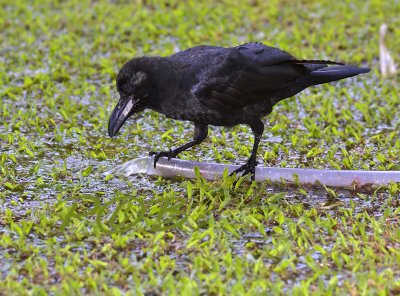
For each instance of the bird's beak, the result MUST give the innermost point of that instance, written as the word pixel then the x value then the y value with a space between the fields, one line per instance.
pixel 122 111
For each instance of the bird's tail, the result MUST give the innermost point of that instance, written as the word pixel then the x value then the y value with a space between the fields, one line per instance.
pixel 316 62
pixel 332 73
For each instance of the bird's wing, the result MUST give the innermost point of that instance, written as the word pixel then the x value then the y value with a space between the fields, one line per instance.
pixel 249 73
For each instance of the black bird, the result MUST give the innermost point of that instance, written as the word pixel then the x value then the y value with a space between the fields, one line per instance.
pixel 218 86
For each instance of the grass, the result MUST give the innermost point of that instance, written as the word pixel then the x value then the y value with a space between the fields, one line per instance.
pixel 67 229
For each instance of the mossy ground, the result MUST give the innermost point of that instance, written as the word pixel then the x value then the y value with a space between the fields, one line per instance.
pixel 66 229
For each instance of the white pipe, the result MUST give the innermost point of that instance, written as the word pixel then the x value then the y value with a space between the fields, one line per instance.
pixel 212 171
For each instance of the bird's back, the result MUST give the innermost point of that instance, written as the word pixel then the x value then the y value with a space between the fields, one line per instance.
pixel 237 83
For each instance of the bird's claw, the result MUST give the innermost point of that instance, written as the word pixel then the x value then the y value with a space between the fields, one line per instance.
pixel 248 168
pixel 169 154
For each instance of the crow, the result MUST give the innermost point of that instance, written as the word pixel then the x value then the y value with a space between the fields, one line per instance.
pixel 211 85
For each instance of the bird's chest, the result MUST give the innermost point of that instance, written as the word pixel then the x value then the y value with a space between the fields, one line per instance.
pixel 175 107
pixel 190 109
pixel 258 110
pixel 189 113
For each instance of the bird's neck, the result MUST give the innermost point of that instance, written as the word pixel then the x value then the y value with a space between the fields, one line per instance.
pixel 163 78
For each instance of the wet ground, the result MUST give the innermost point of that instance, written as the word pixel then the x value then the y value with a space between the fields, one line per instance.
pixel 67 228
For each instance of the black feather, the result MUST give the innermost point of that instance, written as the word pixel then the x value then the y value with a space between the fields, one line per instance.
pixel 319 62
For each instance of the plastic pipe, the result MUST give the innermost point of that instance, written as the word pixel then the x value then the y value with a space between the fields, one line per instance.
pixel 212 171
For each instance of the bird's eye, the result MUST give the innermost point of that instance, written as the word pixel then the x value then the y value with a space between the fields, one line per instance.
pixel 119 86
pixel 123 86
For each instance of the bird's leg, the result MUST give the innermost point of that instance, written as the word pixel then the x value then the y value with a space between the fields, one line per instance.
pixel 250 166
pixel 200 133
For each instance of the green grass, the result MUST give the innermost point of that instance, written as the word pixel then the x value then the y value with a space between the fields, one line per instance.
pixel 67 229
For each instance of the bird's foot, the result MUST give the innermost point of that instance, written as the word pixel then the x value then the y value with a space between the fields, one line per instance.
pixel 248 168
pixel 169 154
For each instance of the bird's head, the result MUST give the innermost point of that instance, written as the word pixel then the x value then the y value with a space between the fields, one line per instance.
pixel 135 89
